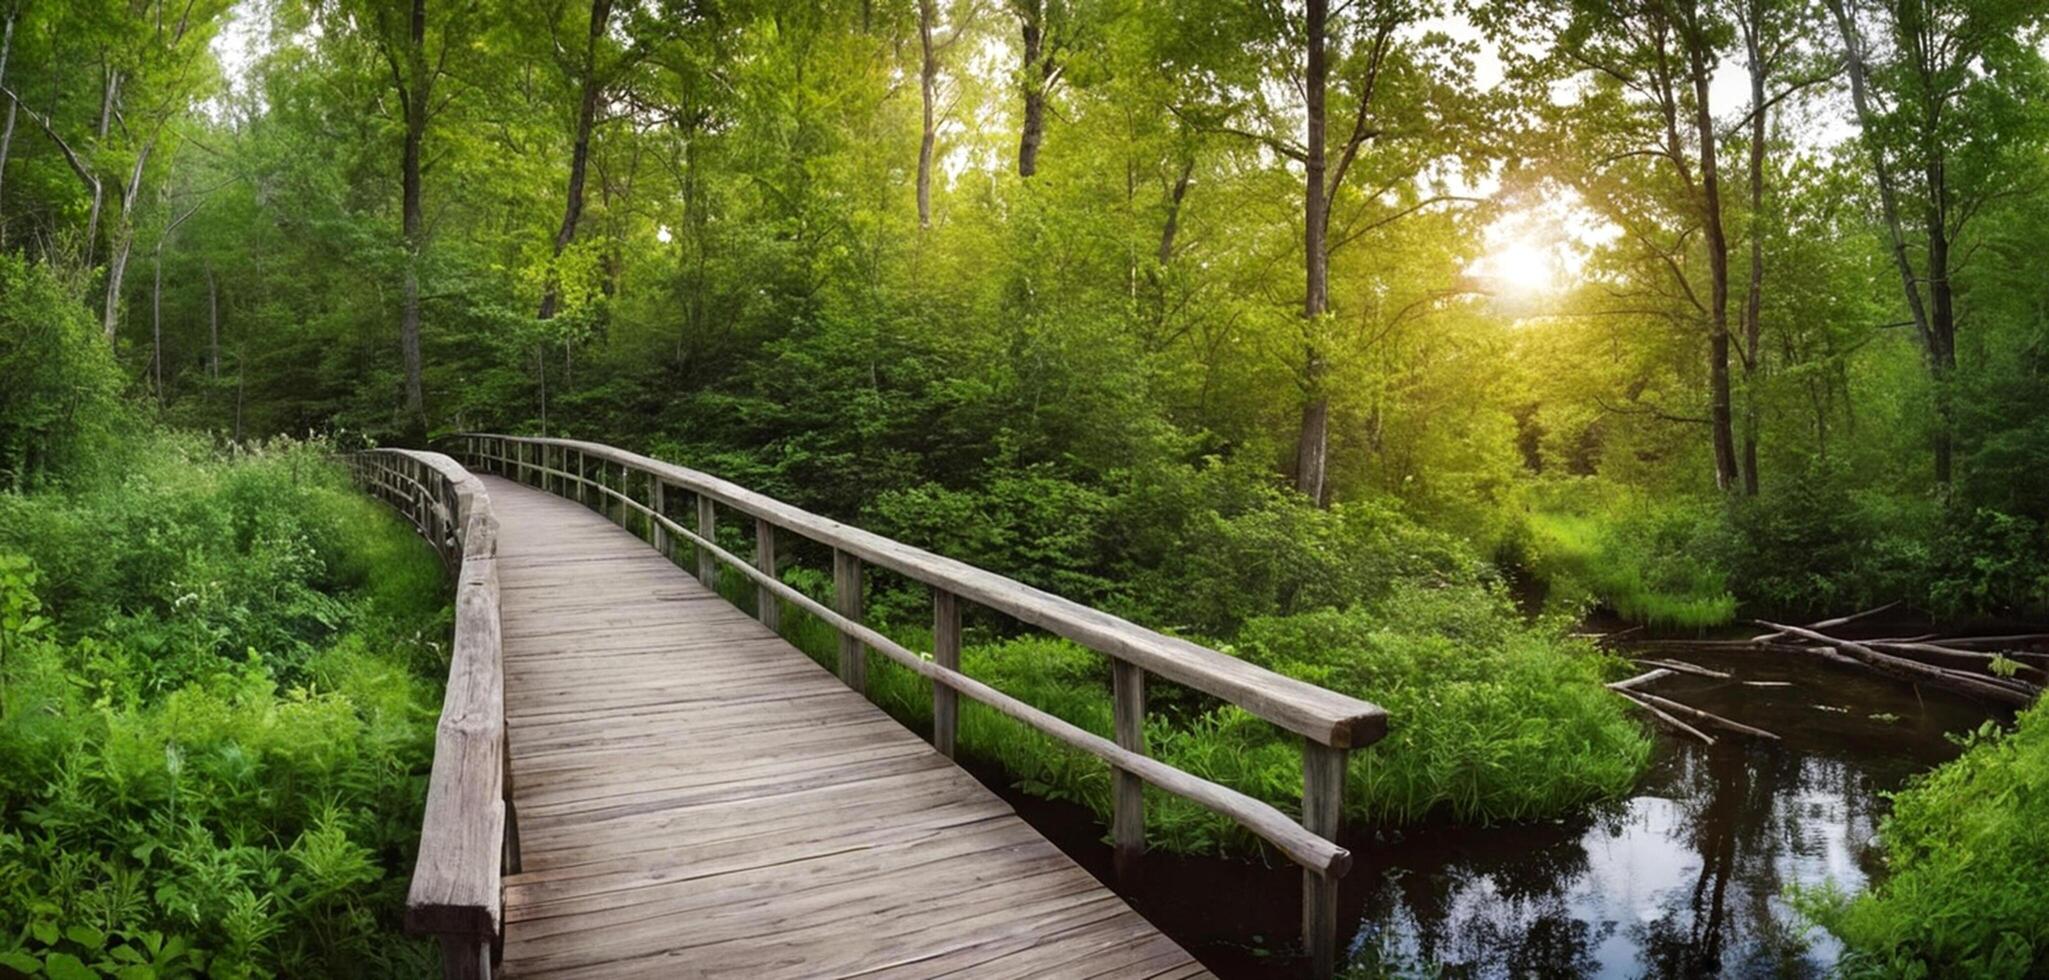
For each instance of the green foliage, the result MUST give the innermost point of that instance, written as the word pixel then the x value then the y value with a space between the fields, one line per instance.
pixel 1989 560
pixel 1963 891
pixel 1651 561
pixel 215 721
pixel 1491 718
pixel 1494 719
pixel 58 408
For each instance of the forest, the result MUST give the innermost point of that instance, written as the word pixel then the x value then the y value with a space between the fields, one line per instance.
pixel 1421 349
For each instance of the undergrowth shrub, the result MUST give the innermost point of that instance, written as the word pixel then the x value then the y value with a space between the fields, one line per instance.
pixel 1654 561
pixel 216 715
pixel 1492 718
pixel 1965 845
pixel 58 404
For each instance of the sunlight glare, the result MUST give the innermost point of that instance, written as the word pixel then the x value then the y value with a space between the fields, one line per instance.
pixel 1524 266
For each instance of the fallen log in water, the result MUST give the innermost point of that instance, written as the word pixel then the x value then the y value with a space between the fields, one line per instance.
pixel 1782 632
pixel 1656 712
pixel 1683 667
pixel 1990 688
pixel 1944 655
pixel 1664 709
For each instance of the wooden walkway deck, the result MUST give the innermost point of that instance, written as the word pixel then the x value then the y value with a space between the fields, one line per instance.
pixel 695 797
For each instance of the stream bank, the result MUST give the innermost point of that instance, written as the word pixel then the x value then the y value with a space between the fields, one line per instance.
pixel 1684 877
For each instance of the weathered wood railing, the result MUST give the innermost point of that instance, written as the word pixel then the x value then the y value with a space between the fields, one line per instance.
pixel 618 482
pixel 469 837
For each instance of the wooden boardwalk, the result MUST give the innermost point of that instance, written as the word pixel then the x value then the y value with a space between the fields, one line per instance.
pixel 696 797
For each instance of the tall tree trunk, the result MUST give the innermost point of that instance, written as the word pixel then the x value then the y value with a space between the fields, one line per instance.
pixel 156 322
pixel 1936 326
pixel 1942 350
pixel 213 326
pixel 124 242
pixel 109 92
pixel 1753 299
pixel 1888 193
pixel 928 91
pixel 412 217
pixel 579 159
pixel 1720 414
pixel 7 128
pixel 1035 75
pixel 1313 441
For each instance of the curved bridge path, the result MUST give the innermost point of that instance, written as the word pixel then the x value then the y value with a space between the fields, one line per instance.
pixel 697 797
pixel 633 777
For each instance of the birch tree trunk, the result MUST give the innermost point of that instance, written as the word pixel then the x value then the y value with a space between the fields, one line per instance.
pixel 1313 441
pixel 928 91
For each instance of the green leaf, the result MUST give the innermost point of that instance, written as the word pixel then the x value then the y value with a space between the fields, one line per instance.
pixel 90 938
pixel 64 966
pixel 44 931
pixel 19 962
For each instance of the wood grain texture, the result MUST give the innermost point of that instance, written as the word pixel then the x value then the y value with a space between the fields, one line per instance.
pixel 465 842
pixel 697 798
pixel 1325 716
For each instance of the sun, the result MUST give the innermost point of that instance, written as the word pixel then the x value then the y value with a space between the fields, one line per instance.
pixel 1523 266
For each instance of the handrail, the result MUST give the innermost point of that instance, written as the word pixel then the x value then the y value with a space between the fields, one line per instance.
pixel 1331 723
pixel 469 836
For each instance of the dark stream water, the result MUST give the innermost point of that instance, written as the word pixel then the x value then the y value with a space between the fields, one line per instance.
pixel 1683 878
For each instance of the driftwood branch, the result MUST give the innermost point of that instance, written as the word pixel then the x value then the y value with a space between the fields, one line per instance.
pixel 1985 687
pixel 1666 710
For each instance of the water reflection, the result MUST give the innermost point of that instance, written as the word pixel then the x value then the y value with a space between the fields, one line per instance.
pixel 1685 878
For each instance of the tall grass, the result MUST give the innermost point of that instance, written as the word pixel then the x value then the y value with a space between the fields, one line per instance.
pixel 1645 562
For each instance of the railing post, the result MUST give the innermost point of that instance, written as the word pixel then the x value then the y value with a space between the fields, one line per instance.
pixel 708 529
pixel 765 602
pixel 465 958
pixel 619 502
pixel 846 580
pixel 945 653
pixel 1323 812
pixel 1127 699
pixel 658 499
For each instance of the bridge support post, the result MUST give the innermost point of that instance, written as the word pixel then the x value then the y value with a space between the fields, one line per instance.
pixel 1127 823
pixel 658 499
pixel 1323 809
pixel 846 579
pixel 766 604
pixel 708 529
pixel 945 653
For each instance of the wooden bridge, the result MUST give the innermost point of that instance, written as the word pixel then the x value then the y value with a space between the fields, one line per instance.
pixel 633 777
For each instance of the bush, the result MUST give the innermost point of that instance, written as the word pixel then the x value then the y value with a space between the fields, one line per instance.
pixel 1652 561
pixel 1964 892
pixel 215 722
pixel 1992 562
pixel 1492 718
pixel 58 406
pixel 1208 548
